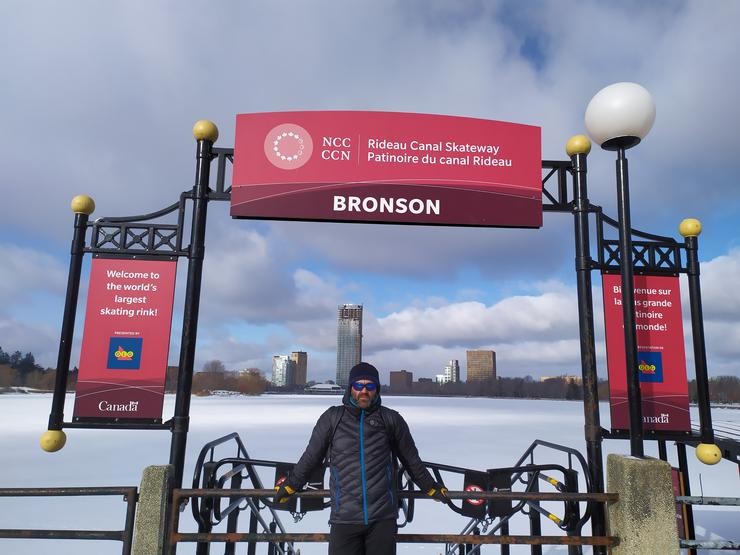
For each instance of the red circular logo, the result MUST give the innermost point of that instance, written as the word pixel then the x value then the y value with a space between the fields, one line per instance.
pixel 288 146
pixel 474 487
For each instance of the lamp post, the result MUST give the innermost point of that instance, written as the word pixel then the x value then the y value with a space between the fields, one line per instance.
pixel 617 118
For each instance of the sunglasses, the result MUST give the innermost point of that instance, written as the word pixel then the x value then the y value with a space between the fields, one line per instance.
pixel 358 386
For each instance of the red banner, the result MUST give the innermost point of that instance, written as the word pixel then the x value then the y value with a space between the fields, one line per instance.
pixel 387 167
pixel 126 339
pixel 661 357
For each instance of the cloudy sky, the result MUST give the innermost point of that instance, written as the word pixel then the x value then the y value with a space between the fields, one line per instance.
pixel 99 98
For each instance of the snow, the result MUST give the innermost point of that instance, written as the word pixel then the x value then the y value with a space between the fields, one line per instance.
pixel 476 433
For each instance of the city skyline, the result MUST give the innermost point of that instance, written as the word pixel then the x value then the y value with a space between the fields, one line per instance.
pixel 292 369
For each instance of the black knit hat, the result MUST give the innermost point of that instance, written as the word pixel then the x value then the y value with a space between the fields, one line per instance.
pixel 364 371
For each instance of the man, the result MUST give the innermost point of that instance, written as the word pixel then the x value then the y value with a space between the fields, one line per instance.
pixel 360 440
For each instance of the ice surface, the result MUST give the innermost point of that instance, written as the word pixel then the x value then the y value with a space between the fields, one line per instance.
pixel 477 433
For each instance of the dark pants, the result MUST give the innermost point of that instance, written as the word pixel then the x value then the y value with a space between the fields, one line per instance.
pixel 376 538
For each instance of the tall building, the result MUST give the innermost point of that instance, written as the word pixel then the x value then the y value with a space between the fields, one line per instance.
pixel 282 370
pixel 481 365
pixel 401 381
pixel 452 372
pixel 349 340
pixel 300 362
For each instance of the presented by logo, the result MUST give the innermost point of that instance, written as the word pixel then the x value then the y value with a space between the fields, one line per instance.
pixel 650 365
pixel 646 368
pixel 288 146
pixel 124 353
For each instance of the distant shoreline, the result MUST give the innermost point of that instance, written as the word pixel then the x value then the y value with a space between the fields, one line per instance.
pixel 31 391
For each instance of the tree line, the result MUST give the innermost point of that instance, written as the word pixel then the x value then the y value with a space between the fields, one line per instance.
pixel 21 370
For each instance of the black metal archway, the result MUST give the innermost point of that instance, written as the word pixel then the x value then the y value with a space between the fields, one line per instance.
pixel 564 189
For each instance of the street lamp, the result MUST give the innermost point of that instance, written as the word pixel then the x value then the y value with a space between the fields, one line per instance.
pixel 617 118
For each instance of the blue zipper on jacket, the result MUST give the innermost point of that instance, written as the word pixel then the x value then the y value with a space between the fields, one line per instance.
pixel 362 464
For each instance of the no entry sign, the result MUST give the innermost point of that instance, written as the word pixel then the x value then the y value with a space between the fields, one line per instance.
pixel 386 167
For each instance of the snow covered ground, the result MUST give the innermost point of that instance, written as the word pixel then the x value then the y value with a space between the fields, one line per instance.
pixel 474 433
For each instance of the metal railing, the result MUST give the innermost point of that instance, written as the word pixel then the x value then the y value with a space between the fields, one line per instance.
pixel 235 479
pixel 281 539
pixel 130 497
pixel 693 544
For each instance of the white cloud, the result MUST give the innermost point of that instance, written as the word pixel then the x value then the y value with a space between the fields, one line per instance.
pixel 470 324
pixel 719 288
pixel 24 271
pixel 103 99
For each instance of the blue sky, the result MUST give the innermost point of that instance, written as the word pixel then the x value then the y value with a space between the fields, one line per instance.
pixel 100 99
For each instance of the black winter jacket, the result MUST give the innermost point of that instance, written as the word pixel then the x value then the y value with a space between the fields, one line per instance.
pixel 361 446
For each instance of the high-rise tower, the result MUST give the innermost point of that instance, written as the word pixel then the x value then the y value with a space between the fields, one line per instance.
pixel 282 370
pixel 349 340
pixel 452 372
pixel 481 365
pixel 300 359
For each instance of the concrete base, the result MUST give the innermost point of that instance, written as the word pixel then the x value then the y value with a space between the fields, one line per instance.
pixel 151 512
pixel 644 518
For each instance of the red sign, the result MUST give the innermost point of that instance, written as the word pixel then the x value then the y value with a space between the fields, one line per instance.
pixel 126 340
pixel 386 167
pixel 661 358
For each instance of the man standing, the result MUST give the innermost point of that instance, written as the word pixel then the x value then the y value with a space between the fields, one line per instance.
pixel 360 440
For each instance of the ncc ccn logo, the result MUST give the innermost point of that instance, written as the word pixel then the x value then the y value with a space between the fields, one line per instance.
pixel 650 365
pixel 124 353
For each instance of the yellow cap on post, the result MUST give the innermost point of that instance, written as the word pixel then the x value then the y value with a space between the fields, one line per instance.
pixel 690 227
pixel 82 204
pixel 578 144
pixel 205 130
pixel 52 440
pixel 708 453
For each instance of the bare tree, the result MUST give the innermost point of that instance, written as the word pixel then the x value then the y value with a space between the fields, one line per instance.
pixel 214 367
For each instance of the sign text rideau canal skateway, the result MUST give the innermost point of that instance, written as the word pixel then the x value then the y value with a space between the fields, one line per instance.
pixel 387 167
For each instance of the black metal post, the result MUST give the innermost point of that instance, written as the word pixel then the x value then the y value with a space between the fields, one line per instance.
pixel 271 547
pixel 572 512
pixel 505 547
pixel 662 451
pixel 252 545
pixel 683 468
pixel 233 518
pixel 181 417
pixel 592 423
pixel 56 417
pixel 634 399
pixel 535 524
pixel 697 334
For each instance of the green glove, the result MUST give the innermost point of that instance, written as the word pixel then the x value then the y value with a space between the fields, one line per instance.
pixel 283 493
pixel 439 493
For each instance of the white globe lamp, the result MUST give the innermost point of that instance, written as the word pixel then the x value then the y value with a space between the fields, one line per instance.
pixel 620 116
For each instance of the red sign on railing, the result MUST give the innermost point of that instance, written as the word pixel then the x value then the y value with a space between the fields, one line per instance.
pixel 661 356
pixel 126 339
pixel 387 167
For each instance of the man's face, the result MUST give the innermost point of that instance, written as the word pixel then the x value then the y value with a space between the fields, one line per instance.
pixel 363 398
